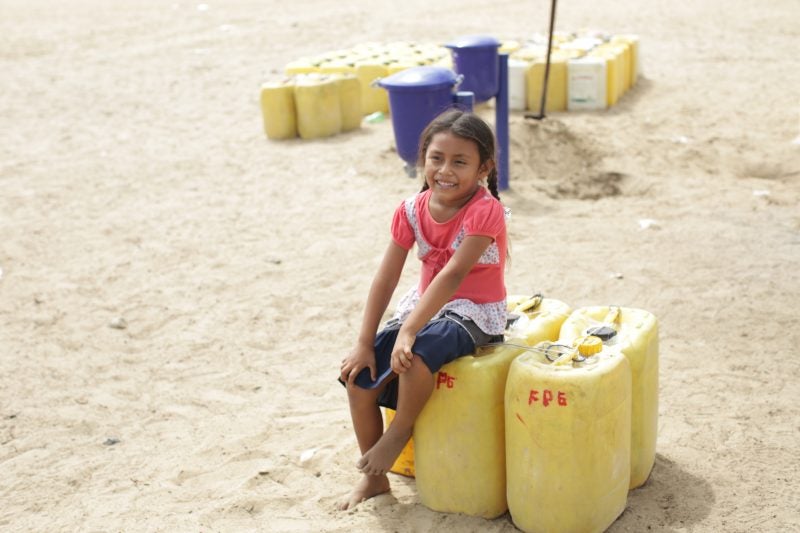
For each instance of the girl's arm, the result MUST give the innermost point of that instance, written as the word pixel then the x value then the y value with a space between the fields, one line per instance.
pixel 438 293
pixel 380 294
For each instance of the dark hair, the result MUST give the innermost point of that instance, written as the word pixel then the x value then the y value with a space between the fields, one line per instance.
pixel 468 126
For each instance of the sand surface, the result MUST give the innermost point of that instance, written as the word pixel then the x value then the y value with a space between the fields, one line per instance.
pixel 137 185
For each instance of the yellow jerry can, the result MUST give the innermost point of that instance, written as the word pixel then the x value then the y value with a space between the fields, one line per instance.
pixel 509 46
pixel 567 413
pixel 635 333
pixel 403 63
pixel 337 66
pixel 636 56
pixel 530 53
pixel 556 83
pixel 305 65
pixel 373 98
pixel 318 109
pixel 623 50
pixel 547 315
pixel 404 464
pixel 278 110
pixel 349 101
pixel 535 318
pixel 459 437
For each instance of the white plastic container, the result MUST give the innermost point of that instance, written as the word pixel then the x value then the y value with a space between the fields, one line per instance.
pixel 517 84
pixel 581 44
pixel 586 83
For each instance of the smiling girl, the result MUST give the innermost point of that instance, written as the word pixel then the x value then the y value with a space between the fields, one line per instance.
pixel 458 225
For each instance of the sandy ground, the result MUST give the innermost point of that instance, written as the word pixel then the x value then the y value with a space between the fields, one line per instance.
pixel 137 184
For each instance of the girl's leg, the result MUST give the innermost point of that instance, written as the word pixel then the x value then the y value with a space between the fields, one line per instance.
pixel 368 426
pixel 415 387
pixel 366 415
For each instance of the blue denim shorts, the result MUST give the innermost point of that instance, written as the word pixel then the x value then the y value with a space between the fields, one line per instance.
pixel 438 342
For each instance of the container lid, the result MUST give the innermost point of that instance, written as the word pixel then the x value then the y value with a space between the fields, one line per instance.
pixel 415 78
pixel 605 333
pixel 590 345
pixel 474 41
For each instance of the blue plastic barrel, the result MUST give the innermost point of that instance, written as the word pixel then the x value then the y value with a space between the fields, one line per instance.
pixel 476 58
pixel 416 96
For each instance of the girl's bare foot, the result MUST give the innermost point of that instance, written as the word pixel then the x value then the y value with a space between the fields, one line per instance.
pixel 380 458
pixel 368 487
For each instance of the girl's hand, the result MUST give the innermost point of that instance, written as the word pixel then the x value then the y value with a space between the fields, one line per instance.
pixel 359 358
pixel 401 353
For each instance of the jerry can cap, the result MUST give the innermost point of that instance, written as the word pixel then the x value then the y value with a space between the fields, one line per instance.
pixel 529 304
pixel 590 345
pixel 605 333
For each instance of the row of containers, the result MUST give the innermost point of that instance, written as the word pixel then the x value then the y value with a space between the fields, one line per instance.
pixel 330 93
pixel 555 425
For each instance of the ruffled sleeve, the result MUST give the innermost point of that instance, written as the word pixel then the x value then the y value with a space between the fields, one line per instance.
pixel 402 232
pixel 485 217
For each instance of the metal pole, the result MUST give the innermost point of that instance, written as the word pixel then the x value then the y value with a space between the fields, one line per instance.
pixel 501 124
pixel 546 65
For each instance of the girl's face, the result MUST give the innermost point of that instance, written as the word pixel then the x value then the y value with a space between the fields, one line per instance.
pixel 453 168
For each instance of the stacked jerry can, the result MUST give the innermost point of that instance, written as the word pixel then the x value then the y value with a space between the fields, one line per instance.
pixel 588 71
pixel 311 105
pixel 581 420
pixel 277 109
pixel 568 418
pixel 534 319
pixel 302 104
pixel 634 332
pixel 459 438
pixel 555 425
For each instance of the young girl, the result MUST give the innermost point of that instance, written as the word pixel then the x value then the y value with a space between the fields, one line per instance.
pixel 459 303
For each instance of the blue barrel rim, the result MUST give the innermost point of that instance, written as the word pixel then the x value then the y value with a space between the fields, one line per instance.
pixel 474 42
pixel 416 79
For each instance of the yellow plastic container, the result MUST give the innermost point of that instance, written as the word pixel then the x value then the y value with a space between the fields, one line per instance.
pixel 278 110
pixel 540 318
pixel 373 99
pixel 337 66
pixel 530 53
pixel 349 101
pixel 445 61
pixel 556 83
pixel 567 429
pixel 459 437
pixel 509 46
pixel 636 65
pixel 636 336
pixel 304 65
pixel 317 103
pixel 623 49
pixel 561 37
pixel 403 63
pixel 404 464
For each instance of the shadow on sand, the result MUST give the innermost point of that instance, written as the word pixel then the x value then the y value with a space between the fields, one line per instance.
pixel 672 499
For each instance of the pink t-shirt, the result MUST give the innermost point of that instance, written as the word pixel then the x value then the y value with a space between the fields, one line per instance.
pixel 481 295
